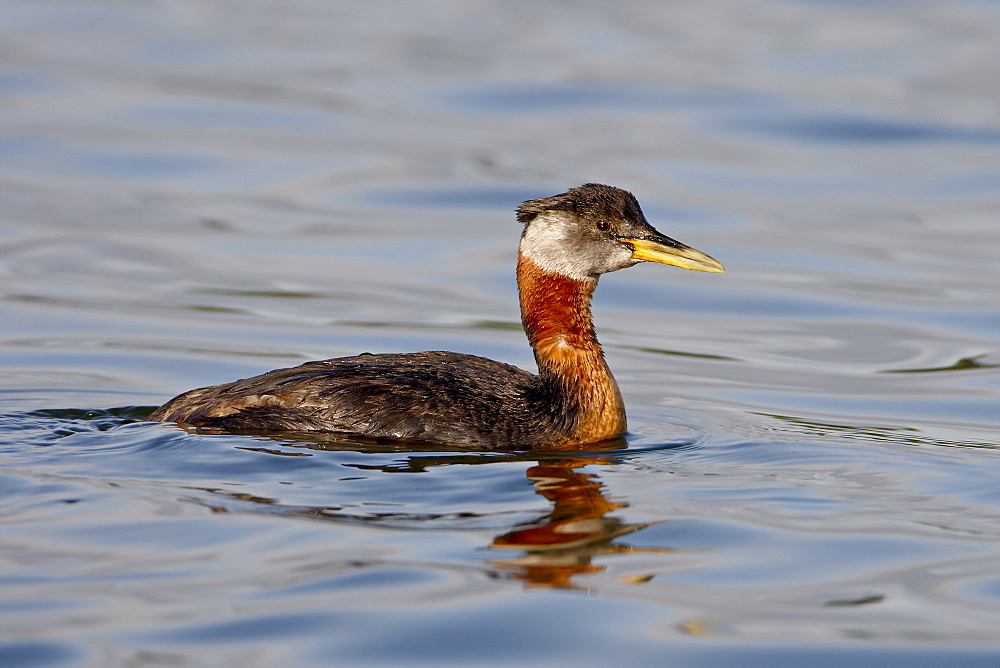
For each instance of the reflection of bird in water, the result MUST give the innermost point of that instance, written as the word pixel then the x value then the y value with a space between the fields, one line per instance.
pixel 574 531
pixel 569 240
pixel 556 548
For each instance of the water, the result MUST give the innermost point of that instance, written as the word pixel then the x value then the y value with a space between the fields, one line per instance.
pixel 194 192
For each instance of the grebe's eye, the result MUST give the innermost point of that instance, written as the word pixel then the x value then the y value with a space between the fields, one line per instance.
pixel 603 225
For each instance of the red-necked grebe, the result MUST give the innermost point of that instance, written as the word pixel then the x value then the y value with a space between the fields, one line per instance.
pixel 568 241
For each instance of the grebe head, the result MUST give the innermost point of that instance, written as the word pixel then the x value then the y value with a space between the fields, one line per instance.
pixel 595 229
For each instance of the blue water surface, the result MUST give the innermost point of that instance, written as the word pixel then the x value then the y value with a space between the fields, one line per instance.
pixel 201 191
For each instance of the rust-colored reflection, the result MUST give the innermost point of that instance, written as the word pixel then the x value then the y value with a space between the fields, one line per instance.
pixel 575 531
pixel 559 546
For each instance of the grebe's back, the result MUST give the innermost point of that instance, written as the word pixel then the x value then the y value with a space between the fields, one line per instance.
pixel 437 396
pixel 569 240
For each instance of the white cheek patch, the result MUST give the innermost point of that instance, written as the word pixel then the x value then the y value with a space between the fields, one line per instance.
pixel 545 243
pixel 619 258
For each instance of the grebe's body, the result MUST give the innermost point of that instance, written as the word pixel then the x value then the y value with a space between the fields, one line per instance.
pixel 454 399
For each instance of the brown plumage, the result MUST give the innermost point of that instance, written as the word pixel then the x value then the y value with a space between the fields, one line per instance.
pixel 455 399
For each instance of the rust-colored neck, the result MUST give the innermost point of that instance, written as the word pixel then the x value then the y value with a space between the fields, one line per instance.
pixel 555 311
